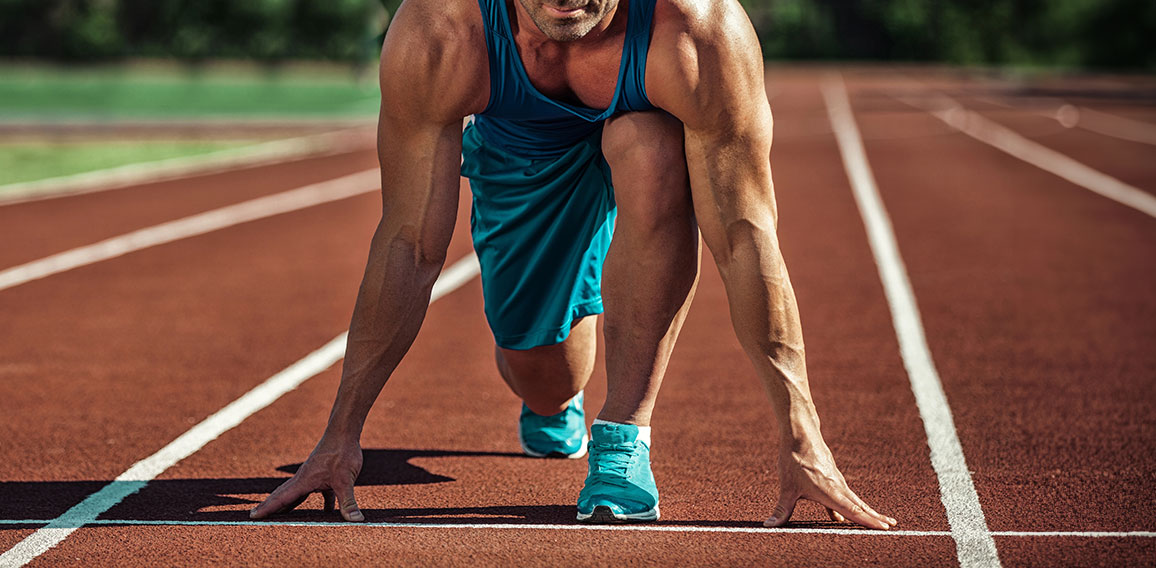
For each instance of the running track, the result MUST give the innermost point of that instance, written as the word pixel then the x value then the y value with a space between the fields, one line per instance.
pixel 1036 298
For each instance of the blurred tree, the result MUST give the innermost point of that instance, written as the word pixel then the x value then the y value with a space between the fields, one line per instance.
pixel 61 29
pixel 260 28
pixel 93 29
pixel 794 29
pixel 314 22
pixel 1121 34
pixel 1073 33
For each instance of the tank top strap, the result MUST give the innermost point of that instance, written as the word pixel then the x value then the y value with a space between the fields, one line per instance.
pixel 497 47
pixel 639 24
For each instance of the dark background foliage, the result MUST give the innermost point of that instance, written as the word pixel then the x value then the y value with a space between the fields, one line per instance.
pixel 78 30
pixel 1069 33
pixel 1066 33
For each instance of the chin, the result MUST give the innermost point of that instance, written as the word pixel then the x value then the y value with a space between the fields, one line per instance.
pixel 569 28
pixel 566 32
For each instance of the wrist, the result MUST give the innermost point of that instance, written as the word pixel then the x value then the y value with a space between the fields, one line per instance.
pixel 342 429
pixel 799 432
pixel 347 417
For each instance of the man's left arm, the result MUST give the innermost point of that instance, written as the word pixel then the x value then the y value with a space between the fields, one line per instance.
pixel 715 87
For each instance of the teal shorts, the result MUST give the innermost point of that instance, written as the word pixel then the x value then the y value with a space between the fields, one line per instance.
pixel 541 228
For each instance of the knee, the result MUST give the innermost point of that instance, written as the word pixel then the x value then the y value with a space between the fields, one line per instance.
pixel 648 166
pixel 547 398
pixel 654 134
pixel 547 405
pixel 544 378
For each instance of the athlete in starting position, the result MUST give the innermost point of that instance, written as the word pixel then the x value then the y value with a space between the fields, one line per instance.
pixel 682 145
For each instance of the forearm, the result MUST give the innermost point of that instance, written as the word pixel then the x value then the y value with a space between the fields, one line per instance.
pixel 735 206
pixel 419 159
pixel 390 307
pixel 766 321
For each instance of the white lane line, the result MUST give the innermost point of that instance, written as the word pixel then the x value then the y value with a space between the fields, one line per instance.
pixel 974 544
pixel 265 153
pixel 1077 534
pixel 1072 116
pixel 989 132
pixel 1108 124
pixel 137 476
pixel 284 202
pixel 577 527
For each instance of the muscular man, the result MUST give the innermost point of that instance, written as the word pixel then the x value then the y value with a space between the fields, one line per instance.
pixel 645 120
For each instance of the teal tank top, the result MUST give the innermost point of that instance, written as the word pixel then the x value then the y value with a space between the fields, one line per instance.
pixel 522 121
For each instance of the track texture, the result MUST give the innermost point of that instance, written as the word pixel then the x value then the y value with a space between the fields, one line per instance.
pixel 1037 297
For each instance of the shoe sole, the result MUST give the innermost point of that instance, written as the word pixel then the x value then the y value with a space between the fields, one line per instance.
pixel 555 455
pixel 602 515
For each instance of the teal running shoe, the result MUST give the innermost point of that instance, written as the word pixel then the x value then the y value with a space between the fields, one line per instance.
pixel 562 435
pixel 620 486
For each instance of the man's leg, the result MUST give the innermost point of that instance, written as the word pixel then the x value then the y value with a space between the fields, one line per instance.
pixel 648 281
pixel 541 228
pixel 651 269
pixel 547 377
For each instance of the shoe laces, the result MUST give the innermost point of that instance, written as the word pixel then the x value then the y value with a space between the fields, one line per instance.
pixel 615 458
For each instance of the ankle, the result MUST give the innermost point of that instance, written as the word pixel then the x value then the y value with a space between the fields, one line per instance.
pixel 643 431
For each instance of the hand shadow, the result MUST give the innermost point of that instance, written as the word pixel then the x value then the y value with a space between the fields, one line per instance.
pixel 196 499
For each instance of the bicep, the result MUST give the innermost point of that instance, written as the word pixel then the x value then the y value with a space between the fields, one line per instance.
pixel 426 89
pixel 420 182
pixel 419 152
pixel 716 89
pixel 728 159
pixel 732 189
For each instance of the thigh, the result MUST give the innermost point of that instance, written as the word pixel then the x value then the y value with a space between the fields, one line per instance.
pixel 541 229
pixel 648 166
pixel 565 365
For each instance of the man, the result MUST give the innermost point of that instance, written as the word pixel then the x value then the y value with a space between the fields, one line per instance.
pixel 682 145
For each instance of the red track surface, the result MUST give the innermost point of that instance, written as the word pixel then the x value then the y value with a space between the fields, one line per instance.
pixel 1038 298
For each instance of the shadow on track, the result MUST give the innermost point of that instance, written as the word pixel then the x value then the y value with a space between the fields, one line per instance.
pixel 193 499
pixel 228 500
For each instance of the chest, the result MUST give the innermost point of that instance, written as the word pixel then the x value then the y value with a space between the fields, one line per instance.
pixel 580 76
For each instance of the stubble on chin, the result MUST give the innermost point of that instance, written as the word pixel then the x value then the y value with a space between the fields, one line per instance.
pixel 563 30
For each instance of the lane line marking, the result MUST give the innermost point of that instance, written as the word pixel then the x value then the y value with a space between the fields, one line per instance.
pixel 1082 534
pixel 974 544
pixel 996 135
pixel 199 224
pixel 1072 116
pixel 628 528
pixel 139 475
pixel 1112 125
pixel 266 153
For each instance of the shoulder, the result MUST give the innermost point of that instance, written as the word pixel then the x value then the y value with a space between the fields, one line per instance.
pixel 434 60
pixel 702 55
pixel 701 20
pixel 689 30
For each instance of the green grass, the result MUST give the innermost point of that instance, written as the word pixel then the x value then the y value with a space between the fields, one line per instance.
pixel 168 92
pixel 33 161
pixel 162 91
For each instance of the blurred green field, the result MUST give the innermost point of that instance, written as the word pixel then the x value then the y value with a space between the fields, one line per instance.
pixel 59 94
pixel 40 160
pixel 64 97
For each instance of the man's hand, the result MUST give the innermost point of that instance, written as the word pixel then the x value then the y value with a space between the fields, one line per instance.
pixel 331 469
pixel 812 475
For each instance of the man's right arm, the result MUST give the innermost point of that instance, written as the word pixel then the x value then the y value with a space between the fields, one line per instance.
pixel 429 82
